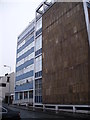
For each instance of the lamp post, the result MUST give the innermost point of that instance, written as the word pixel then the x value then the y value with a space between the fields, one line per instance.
pixel 8 67
pixel 9 83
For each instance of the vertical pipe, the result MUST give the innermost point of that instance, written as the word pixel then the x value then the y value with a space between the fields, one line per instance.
pixel 34 64
pixel 88 32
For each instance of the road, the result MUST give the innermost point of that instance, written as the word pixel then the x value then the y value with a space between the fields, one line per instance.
pixel 25 114
pixel 32 114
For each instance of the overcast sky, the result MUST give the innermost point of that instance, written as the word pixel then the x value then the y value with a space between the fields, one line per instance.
pixel 15 15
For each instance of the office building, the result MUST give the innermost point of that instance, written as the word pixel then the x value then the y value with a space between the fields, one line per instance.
pixel 66 40
pixel 28 83
pixel 25 66
pixel 52 66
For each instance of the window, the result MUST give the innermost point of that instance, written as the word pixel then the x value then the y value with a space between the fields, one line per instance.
pixel 8 79
pixel 39 24
pixel 25 94
pixel 38 63
pixel 30 94
pixel 38 74
pixel 3 84
pixel 38 90
pixel 38 52
pixel 39 32
pixel 27 81
pixel 21 95
pixel 38 43
pixel 21 44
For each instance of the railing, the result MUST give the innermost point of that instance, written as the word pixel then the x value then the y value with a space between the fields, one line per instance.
pixel 55 107
pixel 68 108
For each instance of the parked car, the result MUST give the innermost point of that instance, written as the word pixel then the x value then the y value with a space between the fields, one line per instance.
pixel 7 114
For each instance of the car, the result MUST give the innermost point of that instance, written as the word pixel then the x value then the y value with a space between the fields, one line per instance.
pixel 8 114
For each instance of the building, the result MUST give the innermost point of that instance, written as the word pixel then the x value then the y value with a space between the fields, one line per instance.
pixel 59 72
pixel 38 51
pixel 38 60
pixel 25 66
pixel 1 97
pixel 28 83
pixel 66 40
pixel 7 87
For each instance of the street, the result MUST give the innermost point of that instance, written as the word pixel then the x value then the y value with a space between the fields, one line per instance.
pixel 31 114
pixel 27 114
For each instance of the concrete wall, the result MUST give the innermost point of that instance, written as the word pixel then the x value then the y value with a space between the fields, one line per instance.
pixel 5 90
pixel 12 82
pixel 2 89
pixel 65 55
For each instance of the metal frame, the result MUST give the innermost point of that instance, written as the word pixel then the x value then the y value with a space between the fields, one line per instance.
pixel 43 5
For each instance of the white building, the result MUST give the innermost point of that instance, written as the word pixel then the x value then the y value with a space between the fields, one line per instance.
pixel 28 81
pixel 25 66
pixel 7 87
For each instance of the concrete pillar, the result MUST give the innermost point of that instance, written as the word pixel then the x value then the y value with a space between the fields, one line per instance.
pixel 56 108
pixel 43 108
pixel 28 96
pixel 74 109
pixel 33 107
pixel 18 95
pixel 23 95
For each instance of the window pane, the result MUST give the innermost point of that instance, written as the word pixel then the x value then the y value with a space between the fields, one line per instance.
pixel 21 95
pixel 38 43
pixel 25 95
pixel 30 94
pixel 38 63
pixel 39 24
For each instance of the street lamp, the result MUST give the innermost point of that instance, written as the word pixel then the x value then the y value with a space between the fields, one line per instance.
pixel 9 83
pixel 8 67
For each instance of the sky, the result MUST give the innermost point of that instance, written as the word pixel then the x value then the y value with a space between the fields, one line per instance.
pixel 15 16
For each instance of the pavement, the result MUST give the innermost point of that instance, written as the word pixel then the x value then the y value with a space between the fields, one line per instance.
pixel 38 113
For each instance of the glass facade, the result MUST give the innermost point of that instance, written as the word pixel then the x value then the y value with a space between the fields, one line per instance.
pixel 38 43
pixel 25 94
pixel 39 24
pixel 25 64
pixel 38 90
pixel 29 62
pixel 29 51
pixel 21 95
pixel 38 62
pixel 30 94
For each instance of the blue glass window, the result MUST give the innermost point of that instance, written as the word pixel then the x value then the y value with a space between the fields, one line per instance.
pixel 38 52
pixel 25 75
pixel 38 74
